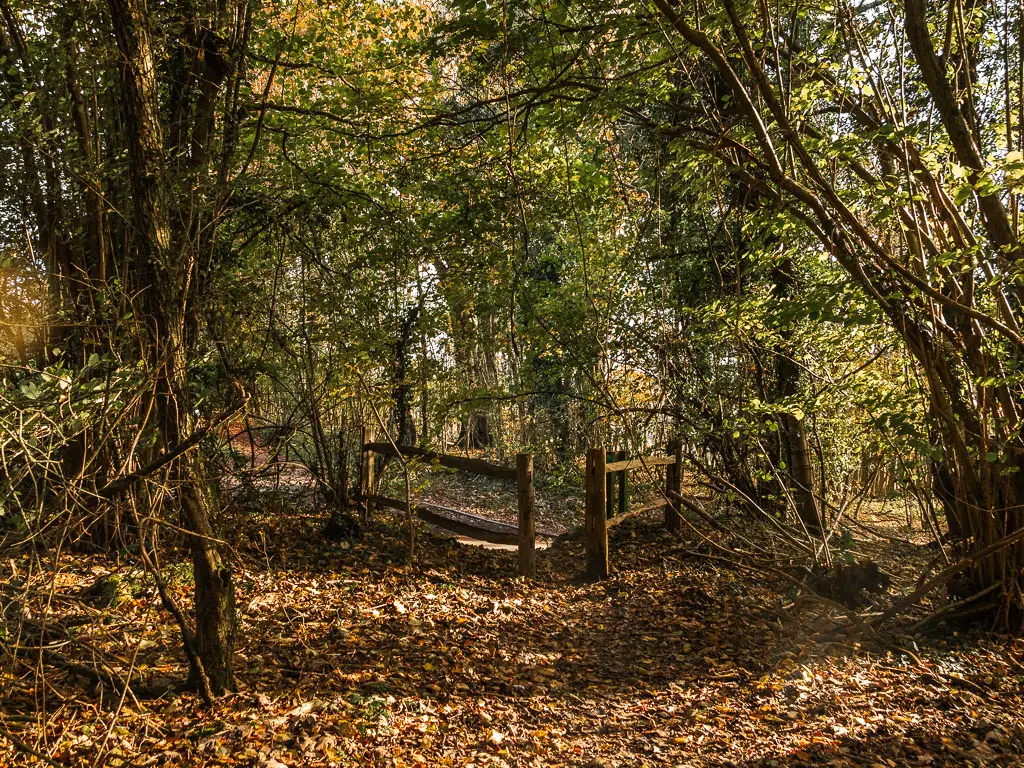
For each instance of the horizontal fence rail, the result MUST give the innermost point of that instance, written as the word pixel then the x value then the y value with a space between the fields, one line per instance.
pixel 479 528
pixel 633 511
pixel 464 463
pixel 650 461
pixel 494 533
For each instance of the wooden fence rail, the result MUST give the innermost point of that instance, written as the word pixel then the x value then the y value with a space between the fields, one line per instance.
pixel 471 525
pixel 464 463
pixel 650 461
pixel 599 488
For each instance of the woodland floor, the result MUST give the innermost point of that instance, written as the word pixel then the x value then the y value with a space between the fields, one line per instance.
pixel 350 658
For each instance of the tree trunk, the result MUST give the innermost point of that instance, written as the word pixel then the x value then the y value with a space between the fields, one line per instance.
pixel 215 590
pixel 800 471
pixel 405 425
pixel 164 272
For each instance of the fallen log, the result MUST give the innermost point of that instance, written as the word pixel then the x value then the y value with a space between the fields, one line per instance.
pixel 473 526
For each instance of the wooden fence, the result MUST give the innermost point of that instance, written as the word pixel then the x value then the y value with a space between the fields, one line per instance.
pixel 461 522
pixel 601 477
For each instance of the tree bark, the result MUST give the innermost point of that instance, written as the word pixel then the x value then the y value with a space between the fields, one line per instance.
pixel 800 471
pixel 163 270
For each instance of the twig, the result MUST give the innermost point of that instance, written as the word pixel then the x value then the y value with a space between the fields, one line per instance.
pixel 187 636
pixel 28 749
pixel 410 518
pixel 122 483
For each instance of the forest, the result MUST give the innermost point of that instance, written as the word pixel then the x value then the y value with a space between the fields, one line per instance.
pixel 512 383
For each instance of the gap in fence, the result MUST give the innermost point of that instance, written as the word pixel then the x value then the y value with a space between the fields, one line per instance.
pixel 606 502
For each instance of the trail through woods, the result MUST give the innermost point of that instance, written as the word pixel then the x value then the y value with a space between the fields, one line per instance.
pixel 350 658
pixel 262 259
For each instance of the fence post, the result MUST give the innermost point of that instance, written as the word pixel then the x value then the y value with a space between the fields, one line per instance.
pixel 366 477
pixel 674 484
pixel 596 522
pixel 527 528
pixel 623 484
pixel 610 483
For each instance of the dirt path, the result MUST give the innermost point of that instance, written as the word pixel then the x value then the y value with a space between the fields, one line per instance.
pixel 351 659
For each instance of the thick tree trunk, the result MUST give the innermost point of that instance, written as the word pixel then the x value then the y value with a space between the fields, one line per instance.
pixel 164 271
pixel 215 590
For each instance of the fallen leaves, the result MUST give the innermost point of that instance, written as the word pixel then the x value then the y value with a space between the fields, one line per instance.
pixel 351 658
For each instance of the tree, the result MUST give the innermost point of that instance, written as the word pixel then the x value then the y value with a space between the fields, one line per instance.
pixel 171 243
pixel 886 164
pixel 124 176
